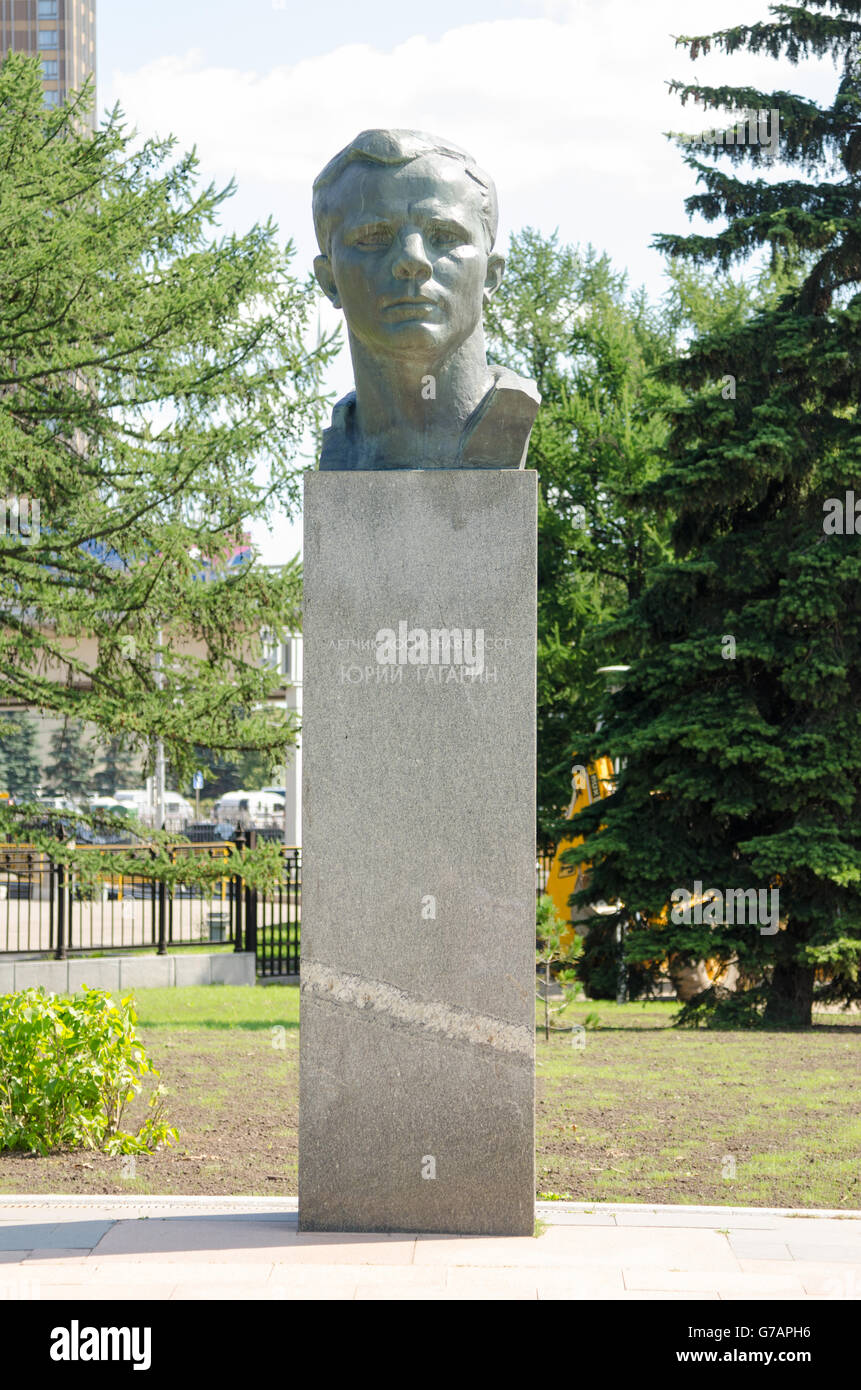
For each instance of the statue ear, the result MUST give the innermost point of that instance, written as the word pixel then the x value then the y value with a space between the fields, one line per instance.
pixel 493 278
pixel 326 280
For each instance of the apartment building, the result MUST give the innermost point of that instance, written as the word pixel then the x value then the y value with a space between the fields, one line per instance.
pixel 61 32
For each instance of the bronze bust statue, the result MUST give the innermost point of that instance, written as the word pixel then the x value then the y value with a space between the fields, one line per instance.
pixel 406 225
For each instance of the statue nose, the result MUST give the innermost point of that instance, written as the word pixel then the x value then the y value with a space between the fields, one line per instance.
pixel 412 262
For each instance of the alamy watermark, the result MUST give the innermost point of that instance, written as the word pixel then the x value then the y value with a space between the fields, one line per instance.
pixel 743 128
pixel 436 646
pixel 732 907
pixel 20 516
pixel 431 656
pixel 77 1343
pixel 842 517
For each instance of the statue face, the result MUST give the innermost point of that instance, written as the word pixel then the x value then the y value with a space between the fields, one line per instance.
pixel 408 259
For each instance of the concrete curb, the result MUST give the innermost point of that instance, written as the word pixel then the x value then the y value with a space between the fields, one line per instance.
pixel 116 973
pixel 286 1203
pixel 661 1207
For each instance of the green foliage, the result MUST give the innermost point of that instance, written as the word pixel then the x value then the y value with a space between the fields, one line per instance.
pixel 70 766
pixel 118 767
pixel 599 965
pixel 549 927
pixel 162 858
pixel 68 1069
pixel 18 759
pixel 721 1008
pixel 566 318
pixel 742 764
pixel 249 771
pixel 551 950
pixel 155 387
pixel 157 854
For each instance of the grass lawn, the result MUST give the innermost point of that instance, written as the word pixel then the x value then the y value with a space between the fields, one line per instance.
pixel 629 1110
pixel 633 1110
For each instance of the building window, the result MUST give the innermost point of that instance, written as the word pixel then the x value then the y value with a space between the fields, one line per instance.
pixel 48 38
pixel 269 648
pixel 48 9
pixel 50 98
pixel 50 68
pixel 276 652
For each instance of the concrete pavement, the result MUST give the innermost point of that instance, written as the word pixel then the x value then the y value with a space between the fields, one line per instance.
pixel 76 1248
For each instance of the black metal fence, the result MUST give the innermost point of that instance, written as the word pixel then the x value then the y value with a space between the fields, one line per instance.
pixel 544 856
pixel 46 910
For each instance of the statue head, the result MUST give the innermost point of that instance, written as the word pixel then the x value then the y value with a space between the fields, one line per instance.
pixel 406 225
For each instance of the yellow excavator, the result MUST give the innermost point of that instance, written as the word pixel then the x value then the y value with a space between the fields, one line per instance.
pixel 590 783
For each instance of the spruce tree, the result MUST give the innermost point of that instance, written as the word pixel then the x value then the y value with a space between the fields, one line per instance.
pixel 740 721
pixel 568 319
pixel 118 768
pixel 18 758
pixel 70 763
pixel 155 387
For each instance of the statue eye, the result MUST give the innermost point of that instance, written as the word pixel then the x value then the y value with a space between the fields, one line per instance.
pixel 374 236
pixel 446 236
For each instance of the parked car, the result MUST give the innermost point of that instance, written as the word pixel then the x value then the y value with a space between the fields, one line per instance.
pixel 59 803
pixel 101 835
pixel 109 803
pixel 251 809
pixel 177 811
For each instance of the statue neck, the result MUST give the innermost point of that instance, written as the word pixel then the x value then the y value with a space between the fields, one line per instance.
pixel 412 414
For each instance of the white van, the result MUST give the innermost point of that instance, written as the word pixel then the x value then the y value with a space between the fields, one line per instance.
pixel 135 798
pixel 254 809
pixel 177 811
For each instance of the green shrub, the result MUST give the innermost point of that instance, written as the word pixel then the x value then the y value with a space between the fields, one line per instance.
pixel 68 1069
pixel 598 967
pixel 718 1007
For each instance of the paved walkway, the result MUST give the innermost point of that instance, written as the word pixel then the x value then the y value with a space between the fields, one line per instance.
pixel 179 1247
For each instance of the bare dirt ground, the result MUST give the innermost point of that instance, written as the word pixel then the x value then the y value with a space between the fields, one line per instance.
pixel 635 1111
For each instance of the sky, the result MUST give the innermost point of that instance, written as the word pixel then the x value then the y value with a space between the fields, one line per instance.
pixel 564 102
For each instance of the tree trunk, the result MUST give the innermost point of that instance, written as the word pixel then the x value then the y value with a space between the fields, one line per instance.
pixel 790 996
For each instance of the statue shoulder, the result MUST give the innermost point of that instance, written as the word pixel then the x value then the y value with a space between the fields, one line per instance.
pixel 507 380
pixel 497 433
pixel 338 448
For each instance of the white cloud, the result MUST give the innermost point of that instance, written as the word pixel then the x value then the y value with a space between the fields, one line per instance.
pixel 566 110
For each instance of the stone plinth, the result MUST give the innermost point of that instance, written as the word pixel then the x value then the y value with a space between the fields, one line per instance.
pixel 418 893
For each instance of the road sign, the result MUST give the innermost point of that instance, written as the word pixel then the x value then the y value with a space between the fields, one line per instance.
pixel 197 781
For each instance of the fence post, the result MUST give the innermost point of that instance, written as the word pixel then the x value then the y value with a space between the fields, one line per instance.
pixel 251 902
pixel 170 896
pixel 160 887
pixel 236 894
pixel 60 953
pixel 60 869
pixel 296 875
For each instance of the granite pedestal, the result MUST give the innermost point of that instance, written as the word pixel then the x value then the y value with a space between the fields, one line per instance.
pixel 418 893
